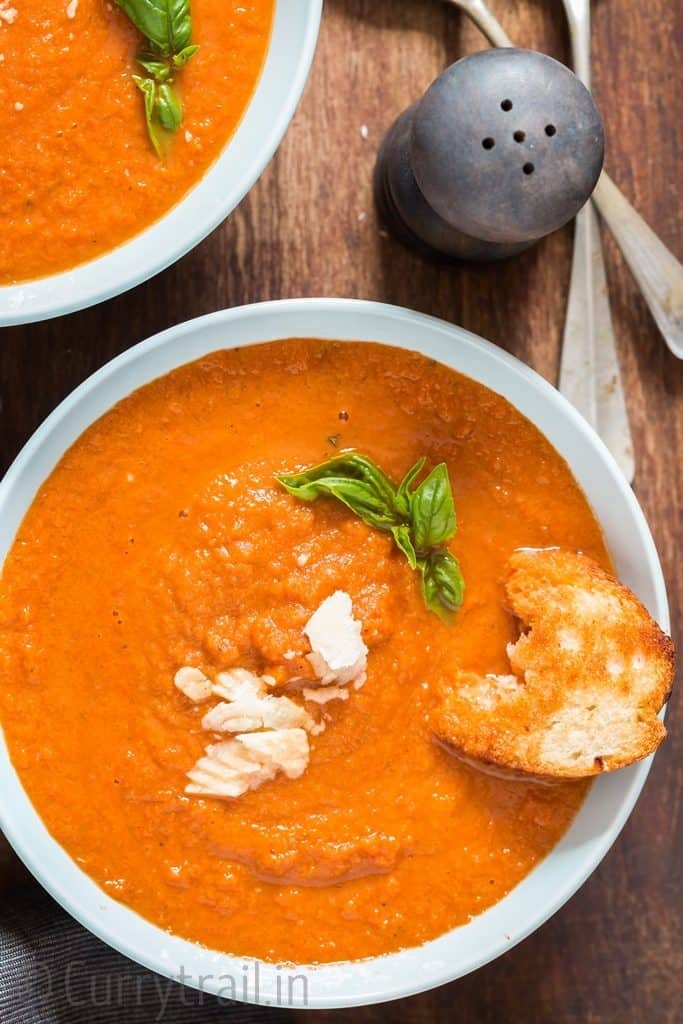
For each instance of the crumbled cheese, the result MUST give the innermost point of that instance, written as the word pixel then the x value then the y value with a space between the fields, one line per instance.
pixel 228 684
pixel 249 712
pixel 188 136
pixel 323 694
pixel 271 730
pixel 18 105
pixel 338 654
pixel 364 131
pixel 226 770
pixel 193 683
pixel 8 14
pixel 248 707
pixel 234 766
pixel 302 559
pixel 71 9
pixel 286 750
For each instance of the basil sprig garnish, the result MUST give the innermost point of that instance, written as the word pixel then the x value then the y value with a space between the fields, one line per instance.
pixel 420 517
pixel 167 28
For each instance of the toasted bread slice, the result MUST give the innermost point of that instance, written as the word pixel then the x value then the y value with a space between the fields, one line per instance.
pixel 590 675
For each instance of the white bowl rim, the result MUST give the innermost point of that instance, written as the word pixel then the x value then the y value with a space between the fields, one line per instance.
pixel 258 134
pixel 488 935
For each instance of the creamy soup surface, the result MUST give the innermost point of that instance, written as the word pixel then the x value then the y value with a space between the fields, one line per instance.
pixel 78 175
pixel 161 540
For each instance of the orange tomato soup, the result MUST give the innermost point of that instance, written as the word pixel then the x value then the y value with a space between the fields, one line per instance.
pixel 78 175
pixel 162 540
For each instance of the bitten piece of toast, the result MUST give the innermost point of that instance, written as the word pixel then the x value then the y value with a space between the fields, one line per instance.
pixel 589 676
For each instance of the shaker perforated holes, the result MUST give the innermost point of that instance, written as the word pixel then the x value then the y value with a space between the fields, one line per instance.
pixel 506 105
pixel 528 168
pixel 488 143
pixel 550 130
pixel 519 136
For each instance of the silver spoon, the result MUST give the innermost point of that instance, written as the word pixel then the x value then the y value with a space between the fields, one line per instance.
pixel 656 270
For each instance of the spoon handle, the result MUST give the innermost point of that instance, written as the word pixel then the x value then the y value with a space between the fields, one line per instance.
pixel 485 20
pixel 589 368
pixel 655 268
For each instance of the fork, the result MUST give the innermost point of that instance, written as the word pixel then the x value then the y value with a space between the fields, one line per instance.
pixel 589 369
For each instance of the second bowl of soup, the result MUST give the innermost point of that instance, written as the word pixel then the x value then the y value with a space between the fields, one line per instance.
pixel 89 207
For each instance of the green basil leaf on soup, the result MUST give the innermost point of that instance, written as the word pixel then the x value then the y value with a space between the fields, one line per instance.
pixel 432 511
pixel 403 492
pixel 443 587
pixel 404 543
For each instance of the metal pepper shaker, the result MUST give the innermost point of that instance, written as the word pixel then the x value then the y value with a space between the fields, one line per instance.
pixel 504 147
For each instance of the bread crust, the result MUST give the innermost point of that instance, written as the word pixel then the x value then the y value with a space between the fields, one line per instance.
pixel 590 673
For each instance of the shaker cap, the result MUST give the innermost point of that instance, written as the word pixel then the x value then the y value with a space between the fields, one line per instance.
pixel 507 145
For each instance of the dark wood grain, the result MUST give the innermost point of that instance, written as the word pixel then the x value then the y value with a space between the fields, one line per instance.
pixel 615 952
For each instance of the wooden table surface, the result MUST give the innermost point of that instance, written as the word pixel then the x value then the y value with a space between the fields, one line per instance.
pixel 615 952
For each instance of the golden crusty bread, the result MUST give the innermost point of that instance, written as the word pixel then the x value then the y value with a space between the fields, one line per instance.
pixel 589 676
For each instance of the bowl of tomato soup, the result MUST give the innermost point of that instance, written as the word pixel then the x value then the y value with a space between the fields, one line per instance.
pixel 89 208
pixel 142 531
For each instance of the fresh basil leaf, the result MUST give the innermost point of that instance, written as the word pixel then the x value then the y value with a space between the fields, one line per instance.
pixel 165 24
pixel 432 511
pixel 403 494
pixel 152 19
pixel 159 71
pixel 405 544
pixel 420 520
pixel 181 59
pixel 361 498
pixel 349 466
pixel 169 108
pixel 443 587
pixel 179 24
pixel 167 28
pixel 148 88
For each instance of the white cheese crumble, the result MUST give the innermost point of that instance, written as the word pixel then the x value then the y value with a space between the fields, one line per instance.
pixel 8 14
pixel 71 9
pixel 270 730
pixel 18 105
pixel 249 710
pixel 285 750
pixel 324 694
pixel 234 766
pixel 193 683
pixel 338 654
pixel 228 685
